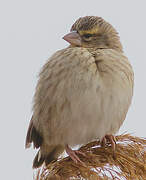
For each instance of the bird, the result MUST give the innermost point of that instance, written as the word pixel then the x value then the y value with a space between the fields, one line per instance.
pixel 83 92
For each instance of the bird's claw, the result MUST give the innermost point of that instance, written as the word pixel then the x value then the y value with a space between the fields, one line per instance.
pixel 73 155
pixel 112 140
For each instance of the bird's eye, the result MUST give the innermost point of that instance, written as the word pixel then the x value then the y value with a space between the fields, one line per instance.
pixel 87 35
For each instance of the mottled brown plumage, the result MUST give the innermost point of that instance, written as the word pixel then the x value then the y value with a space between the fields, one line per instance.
pixel 83 93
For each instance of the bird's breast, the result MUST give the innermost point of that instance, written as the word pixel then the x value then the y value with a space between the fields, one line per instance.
pixel 79 99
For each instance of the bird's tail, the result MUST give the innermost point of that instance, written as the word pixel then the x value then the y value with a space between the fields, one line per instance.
pixel 50 154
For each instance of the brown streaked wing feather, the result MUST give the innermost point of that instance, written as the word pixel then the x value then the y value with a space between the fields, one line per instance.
pixel 33 136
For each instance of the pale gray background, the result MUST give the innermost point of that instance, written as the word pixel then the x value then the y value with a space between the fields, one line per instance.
pixel 30 31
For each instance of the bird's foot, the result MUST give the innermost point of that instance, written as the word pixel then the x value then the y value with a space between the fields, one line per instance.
pixel 73 155
pixel 111 139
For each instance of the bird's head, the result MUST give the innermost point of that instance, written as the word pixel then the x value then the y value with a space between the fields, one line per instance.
pixel 93 32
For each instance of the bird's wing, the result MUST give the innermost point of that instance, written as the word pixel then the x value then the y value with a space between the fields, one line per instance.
pixel 41 99
pixel 33 136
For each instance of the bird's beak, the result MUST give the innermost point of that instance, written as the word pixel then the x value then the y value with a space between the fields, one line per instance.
pixel 73 38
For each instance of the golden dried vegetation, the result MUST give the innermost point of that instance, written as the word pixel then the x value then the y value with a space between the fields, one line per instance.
pixel 129 163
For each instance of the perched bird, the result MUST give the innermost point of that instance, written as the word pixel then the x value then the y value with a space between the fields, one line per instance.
pixel 84 92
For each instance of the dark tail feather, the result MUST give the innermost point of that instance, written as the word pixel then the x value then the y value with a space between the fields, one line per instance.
pixel 51 156
pixel 38 160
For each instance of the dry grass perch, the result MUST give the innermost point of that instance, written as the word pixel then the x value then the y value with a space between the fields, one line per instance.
pixel 129 164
